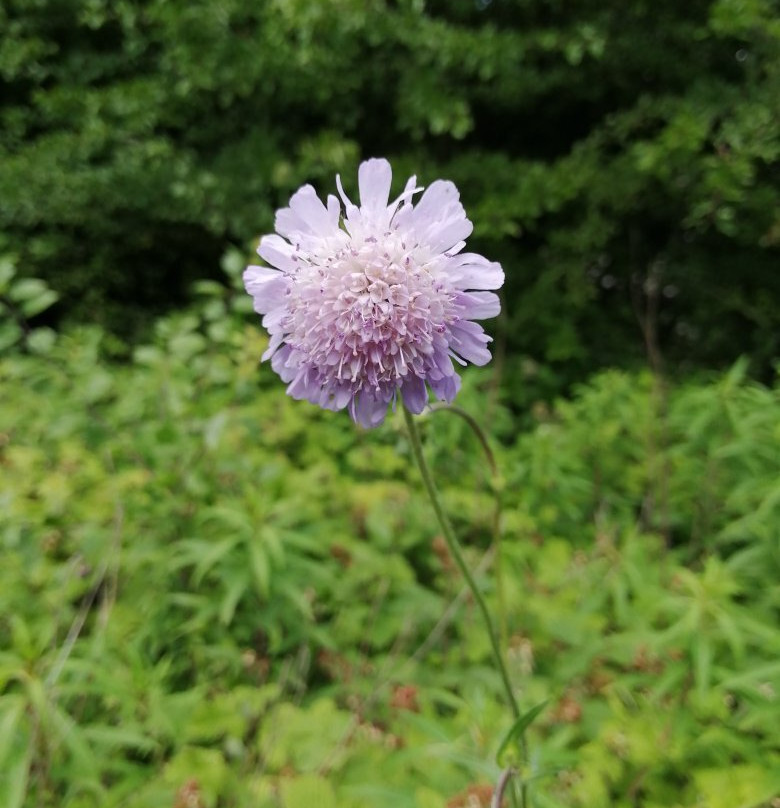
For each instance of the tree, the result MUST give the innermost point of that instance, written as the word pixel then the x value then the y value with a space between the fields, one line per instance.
pixel 622 157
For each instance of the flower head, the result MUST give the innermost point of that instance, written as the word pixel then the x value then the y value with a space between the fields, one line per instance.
pixel 375 300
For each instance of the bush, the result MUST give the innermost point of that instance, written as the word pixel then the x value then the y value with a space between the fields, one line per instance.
pixel 621 159
pixel 213 595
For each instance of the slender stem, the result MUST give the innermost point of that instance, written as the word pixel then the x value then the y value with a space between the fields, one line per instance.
pixel 455 551
pixel 475 428
pixel 497 486
pixel 498 794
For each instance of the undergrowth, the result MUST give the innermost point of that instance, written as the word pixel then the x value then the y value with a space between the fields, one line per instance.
pixel 213 596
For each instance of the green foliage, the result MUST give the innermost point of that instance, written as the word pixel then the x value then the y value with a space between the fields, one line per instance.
pixel 213 595
pixel 21 299
pixel 621 159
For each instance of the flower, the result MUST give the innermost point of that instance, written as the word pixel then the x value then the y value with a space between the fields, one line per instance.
pixel 375 302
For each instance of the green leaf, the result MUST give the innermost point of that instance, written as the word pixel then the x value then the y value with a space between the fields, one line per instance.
pixel 15 759
pixel 742 786
pixel 702 661
pixel 237 586
pixel 261 570
pixel 308 791
pixel 105 736
pixel 517 729
pixel 10 334
pixel 38 303
pixel 26 289
pixel 11 711
pixel 7 272
pixel 41 340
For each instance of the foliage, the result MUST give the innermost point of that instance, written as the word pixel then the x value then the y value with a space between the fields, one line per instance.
pixel 620 158
pixel 21 299
pixel 211 595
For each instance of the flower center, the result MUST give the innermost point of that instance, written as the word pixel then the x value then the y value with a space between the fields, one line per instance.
pixel 367 313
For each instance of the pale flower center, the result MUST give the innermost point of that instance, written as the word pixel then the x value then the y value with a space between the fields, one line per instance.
pixel 367 313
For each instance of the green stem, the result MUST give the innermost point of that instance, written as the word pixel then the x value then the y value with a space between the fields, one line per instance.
pixel 496 484
pixel 455 551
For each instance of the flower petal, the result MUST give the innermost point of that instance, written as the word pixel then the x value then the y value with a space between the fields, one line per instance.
pixel 479 305
pixel 306 216
pixel 304 386
pixel 414 393
pixel 282 364
pixel 374 178
pixel 334 210
pixel 273 345
pixel 468 340
pixel 439 200
pixel 273 318
pixel 367 410
pixel 472 271
pixel 410 189
pixel 446 388
pixel 277 252
pixel 267 287
pixel 441 239
pixel 312 212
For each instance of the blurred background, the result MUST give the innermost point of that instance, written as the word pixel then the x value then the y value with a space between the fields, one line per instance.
pixel 212 596
pixel 620 159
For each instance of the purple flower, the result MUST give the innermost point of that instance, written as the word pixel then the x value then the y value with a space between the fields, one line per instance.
pixel 380 301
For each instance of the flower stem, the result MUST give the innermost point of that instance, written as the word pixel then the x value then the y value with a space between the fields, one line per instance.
pixel 496 483
pixel 455 551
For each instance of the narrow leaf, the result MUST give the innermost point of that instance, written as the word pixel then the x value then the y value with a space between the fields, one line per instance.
pixel 518 728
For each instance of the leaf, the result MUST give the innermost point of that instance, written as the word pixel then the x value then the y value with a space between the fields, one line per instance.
pixel 11 711
pixel 744 786
pixel 753 677
pixel 105 736
pixel 702 661
pixel 235 591
pixel 518 728
pixel 232 517
pixel 40 302
pixel 184 346
pixel 208 555
pixel 206 767
pixel 308 791
pixel 261 570
pixel 32 296
pixel 41 340
pixel 26 289
pixel 7 271
pixel 15 758
pixel 10 332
